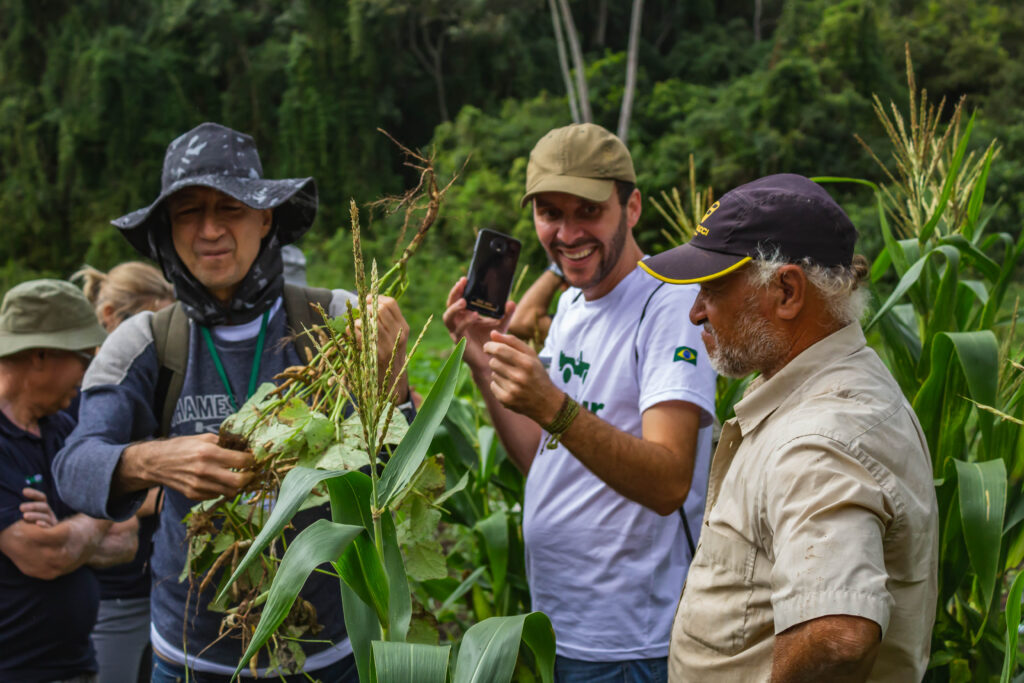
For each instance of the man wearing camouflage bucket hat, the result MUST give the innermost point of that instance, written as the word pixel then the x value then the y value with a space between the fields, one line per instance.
pixel 216 229
pixel 48 333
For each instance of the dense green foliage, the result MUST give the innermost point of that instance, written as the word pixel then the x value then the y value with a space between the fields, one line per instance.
pixel 92 91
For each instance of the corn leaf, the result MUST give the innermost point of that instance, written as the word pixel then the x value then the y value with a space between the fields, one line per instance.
pixel 982 496
pixel 978 193
pixel 410 453
pixel 910 278
pixel 400 602
pixel 320 542
pixel 360 566
pixel 381 586
pixel 362 627
pixel 988 268
pixel 294 489
pixel 490 648
pixel 462 588
pixel 952 175
pixel 975 356
pixel 1012 628
pixel 494 530
pixel 881 265
pixel 410 662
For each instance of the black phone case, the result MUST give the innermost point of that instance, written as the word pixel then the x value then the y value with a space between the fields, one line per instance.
pixel 491 272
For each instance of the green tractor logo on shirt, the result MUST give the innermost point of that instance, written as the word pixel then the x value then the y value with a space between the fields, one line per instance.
pixel 572 366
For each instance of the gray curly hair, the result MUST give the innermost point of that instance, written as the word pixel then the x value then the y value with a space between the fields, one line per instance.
pixel 839 286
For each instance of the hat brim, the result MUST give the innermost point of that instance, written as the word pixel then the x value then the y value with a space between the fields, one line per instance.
pixel 591 189
pixel 294 201
pixel 76 339
pixel 687 264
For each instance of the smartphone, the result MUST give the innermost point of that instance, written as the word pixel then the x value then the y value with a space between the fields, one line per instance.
pixel 490 274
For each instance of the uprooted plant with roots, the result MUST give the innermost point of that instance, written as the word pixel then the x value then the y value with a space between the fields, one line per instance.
pixel 336 413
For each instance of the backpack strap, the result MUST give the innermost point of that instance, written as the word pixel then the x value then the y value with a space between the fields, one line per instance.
pixel 170 336
pixel 301 313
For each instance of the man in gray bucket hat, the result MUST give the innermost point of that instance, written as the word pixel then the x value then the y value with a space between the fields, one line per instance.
pixel 216 229
pixel 48 333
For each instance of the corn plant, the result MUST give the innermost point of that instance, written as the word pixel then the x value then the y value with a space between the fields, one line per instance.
pixel 942 280
pixel 485 515
pixel 361 542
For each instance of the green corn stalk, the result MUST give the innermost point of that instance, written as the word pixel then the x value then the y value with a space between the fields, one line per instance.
pixel 361 541
pixel 946 332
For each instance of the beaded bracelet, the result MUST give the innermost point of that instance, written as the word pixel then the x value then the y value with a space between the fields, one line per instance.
pixel 566 414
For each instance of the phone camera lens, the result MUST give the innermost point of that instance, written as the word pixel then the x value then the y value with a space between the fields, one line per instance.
pixel 498 245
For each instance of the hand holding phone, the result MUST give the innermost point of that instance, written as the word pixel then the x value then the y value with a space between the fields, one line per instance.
pixel 489 280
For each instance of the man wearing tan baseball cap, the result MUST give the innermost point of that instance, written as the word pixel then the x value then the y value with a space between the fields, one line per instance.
pixel 48 333
pixel 614 435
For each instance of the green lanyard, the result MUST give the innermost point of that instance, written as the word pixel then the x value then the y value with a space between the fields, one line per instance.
pixel 253 376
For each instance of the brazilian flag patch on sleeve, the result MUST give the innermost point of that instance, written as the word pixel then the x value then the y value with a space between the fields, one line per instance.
pixel 685 354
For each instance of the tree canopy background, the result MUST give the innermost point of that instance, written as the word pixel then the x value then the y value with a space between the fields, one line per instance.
pixel 91 92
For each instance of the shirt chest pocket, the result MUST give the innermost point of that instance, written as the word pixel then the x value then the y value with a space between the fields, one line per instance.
pixel 722 607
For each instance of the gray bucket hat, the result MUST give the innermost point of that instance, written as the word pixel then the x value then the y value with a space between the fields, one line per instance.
pixel 47 314
pixel 215 156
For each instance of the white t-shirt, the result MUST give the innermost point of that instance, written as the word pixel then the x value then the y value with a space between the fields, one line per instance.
pixel 606 570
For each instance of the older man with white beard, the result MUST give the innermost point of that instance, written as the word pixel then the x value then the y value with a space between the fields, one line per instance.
pixel 818 558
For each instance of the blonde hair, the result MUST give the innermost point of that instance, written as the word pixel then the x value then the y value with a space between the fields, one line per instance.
pixel 128 288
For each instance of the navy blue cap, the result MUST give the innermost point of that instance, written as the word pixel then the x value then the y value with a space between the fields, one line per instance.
pixel 787 213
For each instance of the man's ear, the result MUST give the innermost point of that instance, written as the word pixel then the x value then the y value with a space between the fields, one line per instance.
pixel 633 207
pixel 791 291
pixel 268 220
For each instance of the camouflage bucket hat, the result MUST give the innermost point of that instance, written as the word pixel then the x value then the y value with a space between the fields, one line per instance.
pixel 215 156
pixel 47 314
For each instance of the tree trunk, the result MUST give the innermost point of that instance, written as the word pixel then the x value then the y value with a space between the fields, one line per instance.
pixel 573 36
pixel 563 62
pixel 757 21
pixel 602 23
pixel 631 67
pixel 431 62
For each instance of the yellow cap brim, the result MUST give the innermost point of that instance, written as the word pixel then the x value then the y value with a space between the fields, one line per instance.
pixel 686 265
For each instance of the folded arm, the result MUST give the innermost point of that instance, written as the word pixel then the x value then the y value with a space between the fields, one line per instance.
pixel 49 552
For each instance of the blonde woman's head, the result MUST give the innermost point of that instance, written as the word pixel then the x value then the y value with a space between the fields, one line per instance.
pixel 124 291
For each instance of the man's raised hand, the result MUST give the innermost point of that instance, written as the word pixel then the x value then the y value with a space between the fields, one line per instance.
pixel 476 329
pixel 519 380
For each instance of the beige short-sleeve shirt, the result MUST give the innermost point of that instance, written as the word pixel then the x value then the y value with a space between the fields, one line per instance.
pixel 820 502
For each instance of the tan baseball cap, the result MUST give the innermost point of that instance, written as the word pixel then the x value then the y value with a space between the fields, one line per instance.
pixel 47 314
pixel 583 159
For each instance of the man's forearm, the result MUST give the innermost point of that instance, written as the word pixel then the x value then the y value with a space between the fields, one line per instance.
pixel 643 471
pixel 519 434
pixel 834 648
pixel 49 553
pixel 117 546
pixel 130 475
